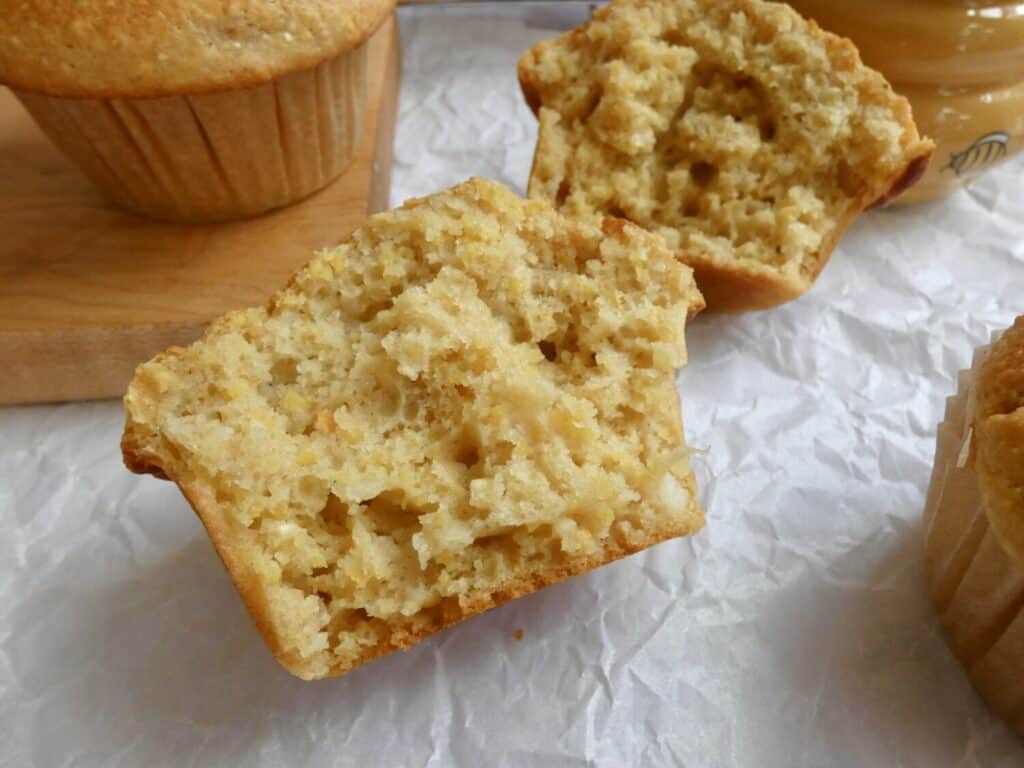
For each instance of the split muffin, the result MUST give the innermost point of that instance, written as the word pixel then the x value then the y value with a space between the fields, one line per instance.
pixel 740 132
pixel 469 399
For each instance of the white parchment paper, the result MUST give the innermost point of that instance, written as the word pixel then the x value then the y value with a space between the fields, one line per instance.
pixel 794 631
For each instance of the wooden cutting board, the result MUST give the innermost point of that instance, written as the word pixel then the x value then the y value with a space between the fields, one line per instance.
pixel 87 291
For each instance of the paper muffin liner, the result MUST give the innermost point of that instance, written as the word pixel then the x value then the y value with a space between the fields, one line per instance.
pixel 975 584
pixel 216 156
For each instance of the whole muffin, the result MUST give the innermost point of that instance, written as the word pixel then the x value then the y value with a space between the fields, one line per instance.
pixel 974 548
pixel 195 110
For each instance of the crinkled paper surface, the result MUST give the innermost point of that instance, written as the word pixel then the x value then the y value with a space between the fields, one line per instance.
pixel 793 632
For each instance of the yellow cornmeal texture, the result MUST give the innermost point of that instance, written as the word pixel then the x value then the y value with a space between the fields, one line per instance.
pixel 737 130
pixel 469 399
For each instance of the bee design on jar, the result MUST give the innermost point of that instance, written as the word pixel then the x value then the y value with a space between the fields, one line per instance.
pixel 986 151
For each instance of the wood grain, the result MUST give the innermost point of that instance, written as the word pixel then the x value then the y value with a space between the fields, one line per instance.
pixel 88 291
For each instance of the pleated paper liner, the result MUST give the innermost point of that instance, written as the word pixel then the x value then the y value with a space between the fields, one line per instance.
pixel 975 584
pixel 216 156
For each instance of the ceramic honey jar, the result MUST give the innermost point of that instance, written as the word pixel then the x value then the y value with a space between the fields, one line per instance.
pixel 961 64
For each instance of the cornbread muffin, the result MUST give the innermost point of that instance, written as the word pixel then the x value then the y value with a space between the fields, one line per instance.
pixel 744 135
pixel 195 110
pixel 974 547
pixel 469 399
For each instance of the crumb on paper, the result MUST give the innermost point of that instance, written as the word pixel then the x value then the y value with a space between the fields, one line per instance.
pixel 518 634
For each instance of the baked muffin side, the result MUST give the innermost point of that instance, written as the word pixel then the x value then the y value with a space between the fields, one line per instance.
pixel 196 112
pixel 973 518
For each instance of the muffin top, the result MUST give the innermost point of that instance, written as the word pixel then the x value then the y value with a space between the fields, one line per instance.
pixel 999 437
pixel 148 48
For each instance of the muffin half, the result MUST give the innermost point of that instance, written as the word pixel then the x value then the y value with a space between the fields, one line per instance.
pixel 471 398
pixel 743 134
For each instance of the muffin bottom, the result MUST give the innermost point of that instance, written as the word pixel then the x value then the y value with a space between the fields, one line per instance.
pixel 216 156
pixel 976 585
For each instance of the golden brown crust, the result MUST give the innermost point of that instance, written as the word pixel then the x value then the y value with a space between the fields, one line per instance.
pixel 480 602
pixel 1001 381
pixel 733 287
pixel 999 438
pixel 149 48
pixel 909 177
pixel 225 538
pixel 529 84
